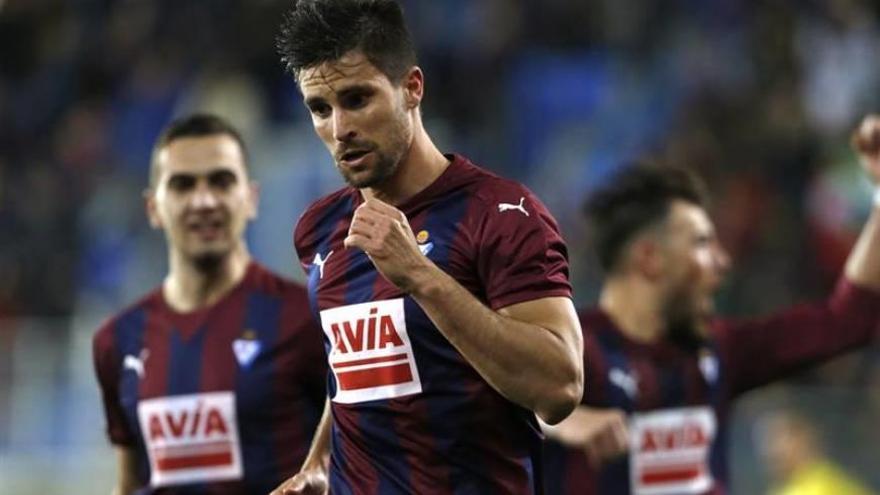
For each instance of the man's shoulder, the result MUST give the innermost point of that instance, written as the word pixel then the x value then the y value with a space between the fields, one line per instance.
pixel 322 206
pixel 270 283
pixel 129 317
pixel 489 187
pixel 320 212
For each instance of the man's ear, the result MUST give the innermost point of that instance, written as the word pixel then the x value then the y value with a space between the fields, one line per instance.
pixel 647 257
pixel 413 87
pixel 150 208
pixel 253 199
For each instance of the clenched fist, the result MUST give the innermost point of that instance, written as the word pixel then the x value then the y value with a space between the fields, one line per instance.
pixel 866 141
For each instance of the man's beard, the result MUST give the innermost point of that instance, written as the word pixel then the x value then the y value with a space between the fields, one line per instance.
pixel 685 334
pixel 209 263
pixel 387 162
pixel 683 324
pixel 384 169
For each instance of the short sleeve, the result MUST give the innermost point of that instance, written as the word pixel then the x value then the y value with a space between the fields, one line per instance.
pixel 521 254
pixel 107 370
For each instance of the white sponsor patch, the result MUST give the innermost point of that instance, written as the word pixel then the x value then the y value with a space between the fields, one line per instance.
pixel 669 451
pixel 371 355
pixel 191 438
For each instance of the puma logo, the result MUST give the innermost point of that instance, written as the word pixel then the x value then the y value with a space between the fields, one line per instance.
pixel 320 262
pixel 502 207
pixel 625 381
pixel 136 363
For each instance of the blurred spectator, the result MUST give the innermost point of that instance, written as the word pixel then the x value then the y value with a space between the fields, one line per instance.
pixel 792 449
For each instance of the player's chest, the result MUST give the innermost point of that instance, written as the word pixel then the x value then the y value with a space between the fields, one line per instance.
pixel 639 382
pixel 339 276
pixel 218 356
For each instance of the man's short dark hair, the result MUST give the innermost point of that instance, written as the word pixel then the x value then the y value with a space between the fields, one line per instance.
pixel 636 197
pixel 194 126
pixel 318 31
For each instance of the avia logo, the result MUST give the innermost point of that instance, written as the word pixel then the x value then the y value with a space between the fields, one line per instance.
pixel 354 337
pixel 320 263
pixel 665 439
pixel 371 356
pixel 670 450
pixel 191 438
pixel 202 421
pixel 136 364
pixel 502 207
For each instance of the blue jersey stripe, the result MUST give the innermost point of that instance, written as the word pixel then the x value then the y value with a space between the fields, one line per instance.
pixel 185 363
pixel 614 476
pixel 442 223
pixel 254 384
pixel 325 230
pixel 129 336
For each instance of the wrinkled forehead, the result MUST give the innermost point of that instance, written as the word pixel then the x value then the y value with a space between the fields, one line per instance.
pixel 334 76
pixel 201 156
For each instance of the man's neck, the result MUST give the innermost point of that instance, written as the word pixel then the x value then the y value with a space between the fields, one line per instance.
pixel 634 308
pixel 189 286
pixel 419 168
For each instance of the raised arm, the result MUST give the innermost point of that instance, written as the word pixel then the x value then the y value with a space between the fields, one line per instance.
pixel 766 349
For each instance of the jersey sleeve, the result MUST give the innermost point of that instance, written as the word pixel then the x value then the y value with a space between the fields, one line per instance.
pixel 521 254
pixel 107 369
pixel 765 349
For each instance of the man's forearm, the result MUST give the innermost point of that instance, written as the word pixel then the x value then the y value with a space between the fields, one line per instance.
pixel 536 364
pixel 863 264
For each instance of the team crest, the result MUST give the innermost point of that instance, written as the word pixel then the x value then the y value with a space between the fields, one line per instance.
pixel 709 366
pixel 422 239
pixel 246 348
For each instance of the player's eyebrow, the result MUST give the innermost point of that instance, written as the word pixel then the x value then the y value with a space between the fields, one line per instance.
pixel 359 88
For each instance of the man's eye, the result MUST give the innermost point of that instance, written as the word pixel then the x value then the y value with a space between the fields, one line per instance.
pixel 320 110
pixel 354 101
pixel 181 183
pixel 222 179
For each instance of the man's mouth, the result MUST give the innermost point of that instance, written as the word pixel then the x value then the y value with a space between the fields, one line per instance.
pixel 206 229
pixel 353 157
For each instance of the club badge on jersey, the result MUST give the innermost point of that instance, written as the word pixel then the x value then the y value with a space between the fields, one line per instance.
pixel 669 451
pixel 191 438
pixel 371 356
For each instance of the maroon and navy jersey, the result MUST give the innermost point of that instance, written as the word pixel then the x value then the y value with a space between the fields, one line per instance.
pixel 410 414
pixel 223 400
pixel 678 401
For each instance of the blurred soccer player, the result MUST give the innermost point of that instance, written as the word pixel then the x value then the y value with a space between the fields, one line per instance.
pixel 213 382
pixel 661 370
pixel 442 289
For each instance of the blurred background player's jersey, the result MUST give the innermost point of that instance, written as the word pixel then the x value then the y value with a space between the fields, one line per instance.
pixel 678 401
pixel 225 398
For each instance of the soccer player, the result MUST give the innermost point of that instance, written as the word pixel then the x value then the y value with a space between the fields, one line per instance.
pixel 662 371
pixel 442 289
pixel 213 382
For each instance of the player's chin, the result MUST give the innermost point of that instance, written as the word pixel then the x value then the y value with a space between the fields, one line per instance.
pixel 213 249
pixel 360 178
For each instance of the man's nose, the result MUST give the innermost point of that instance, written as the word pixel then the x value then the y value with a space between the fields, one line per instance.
pixel 343 130
pixel 204 198
pixel 722 259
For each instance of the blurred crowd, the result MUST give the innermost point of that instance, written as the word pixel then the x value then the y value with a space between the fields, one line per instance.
pixel 760 97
